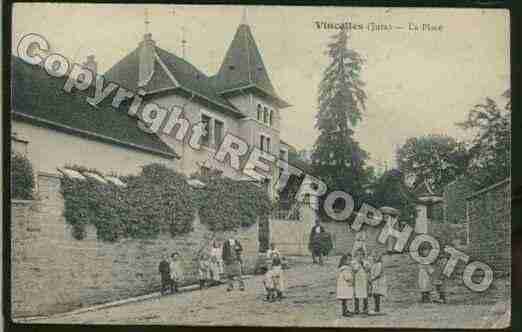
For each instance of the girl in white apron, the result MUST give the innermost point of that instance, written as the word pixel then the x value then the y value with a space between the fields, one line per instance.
pixel 216 262
pixel 361 267
pixel 345 283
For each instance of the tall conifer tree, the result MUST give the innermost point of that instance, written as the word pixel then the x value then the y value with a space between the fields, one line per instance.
pixel 338 159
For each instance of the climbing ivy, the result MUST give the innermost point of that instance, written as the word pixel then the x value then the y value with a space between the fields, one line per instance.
pixel 226 204
pixel 158 199
pixel 22 177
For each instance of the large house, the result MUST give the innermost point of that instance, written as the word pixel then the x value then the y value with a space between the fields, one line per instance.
pixel 239 99
pixel 54 128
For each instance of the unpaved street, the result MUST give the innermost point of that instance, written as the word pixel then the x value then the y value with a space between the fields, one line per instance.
pixel 309 301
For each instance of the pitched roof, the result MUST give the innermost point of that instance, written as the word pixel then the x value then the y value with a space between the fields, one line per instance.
pixel 243 67
pixel 192 78
pixel 167 67
pixel 40 98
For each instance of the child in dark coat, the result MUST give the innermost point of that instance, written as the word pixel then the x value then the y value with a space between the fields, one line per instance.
pixel 378 281
pixel 166 281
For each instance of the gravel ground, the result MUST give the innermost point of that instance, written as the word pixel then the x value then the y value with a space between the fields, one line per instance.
pixel 310 301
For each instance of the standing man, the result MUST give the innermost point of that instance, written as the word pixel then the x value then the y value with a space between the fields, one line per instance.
pixel 164 270
pixel 232 260
pixel 314 244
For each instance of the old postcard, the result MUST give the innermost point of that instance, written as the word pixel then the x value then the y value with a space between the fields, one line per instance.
pixel 260 166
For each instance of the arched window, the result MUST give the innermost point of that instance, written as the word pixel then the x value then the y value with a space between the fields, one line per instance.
pixel 265 115
pixel 259 112
pixel 270 117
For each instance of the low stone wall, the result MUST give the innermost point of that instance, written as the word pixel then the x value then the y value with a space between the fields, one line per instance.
pixel 291 236
pixel 53 272
pixel 344 237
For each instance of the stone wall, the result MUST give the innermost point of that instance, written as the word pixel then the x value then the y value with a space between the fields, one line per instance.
pixel 53 272
pixel 292 236
pixel 449 234
pixel 344 237
pixel 489 218
pixel 454 200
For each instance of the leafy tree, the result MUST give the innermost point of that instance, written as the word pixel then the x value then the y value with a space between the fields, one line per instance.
pixel 490 148
pixel 337 159
pixel 390 190
pixel 438 159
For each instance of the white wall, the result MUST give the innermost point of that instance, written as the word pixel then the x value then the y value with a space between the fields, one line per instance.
pixel 48 149
pixel 191 159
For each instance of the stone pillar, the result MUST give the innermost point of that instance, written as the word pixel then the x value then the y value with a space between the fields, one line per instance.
pixel 421 222
pixel 389 213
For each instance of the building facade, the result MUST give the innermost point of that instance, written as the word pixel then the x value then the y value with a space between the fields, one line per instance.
pixel 55 129
pixel 239 100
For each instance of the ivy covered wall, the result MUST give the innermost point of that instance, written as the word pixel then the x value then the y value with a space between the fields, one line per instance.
pixel 159 200
pixel 22 177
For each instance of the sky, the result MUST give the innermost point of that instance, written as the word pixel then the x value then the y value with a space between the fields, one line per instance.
pixel 417 82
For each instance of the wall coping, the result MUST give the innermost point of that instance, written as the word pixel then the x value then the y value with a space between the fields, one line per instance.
pixel 22 201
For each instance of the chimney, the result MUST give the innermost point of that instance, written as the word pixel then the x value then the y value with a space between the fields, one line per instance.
pixel 146 60
pixel 91 64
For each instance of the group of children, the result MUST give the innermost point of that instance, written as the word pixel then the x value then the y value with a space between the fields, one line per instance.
pixel 358 278
pixel 210 266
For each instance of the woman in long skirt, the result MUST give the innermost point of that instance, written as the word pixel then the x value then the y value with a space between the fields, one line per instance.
pixel 216 262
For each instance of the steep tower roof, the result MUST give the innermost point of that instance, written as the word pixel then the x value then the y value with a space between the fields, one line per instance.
pixel 243 66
